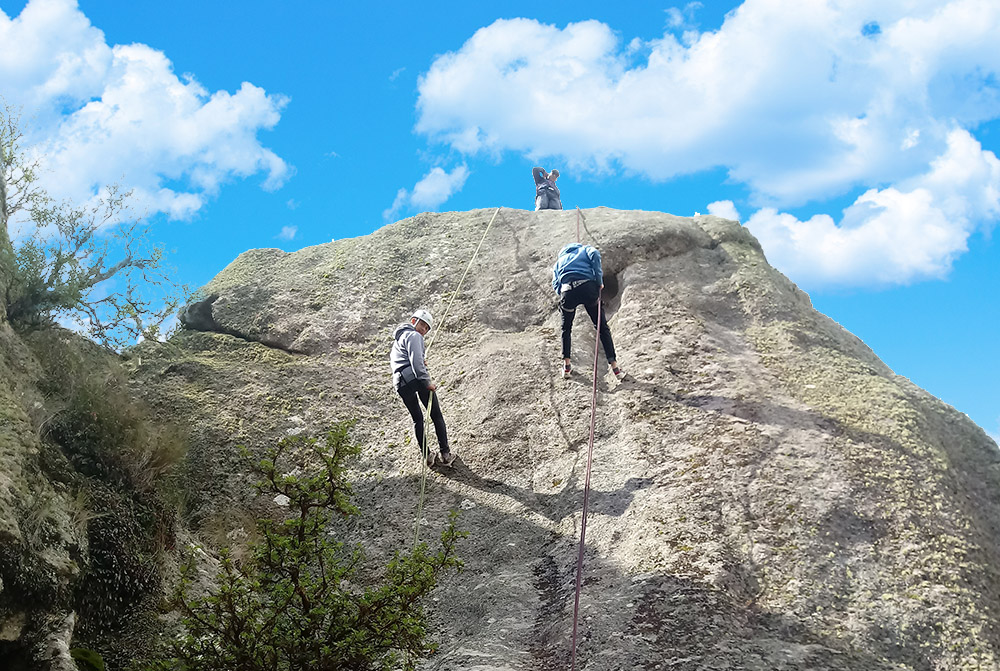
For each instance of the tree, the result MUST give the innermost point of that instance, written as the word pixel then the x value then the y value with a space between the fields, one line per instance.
pixel 91 265
pixel 302 601
pixel 19 189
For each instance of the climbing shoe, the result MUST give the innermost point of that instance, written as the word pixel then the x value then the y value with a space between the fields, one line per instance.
pixel 448 458
pixel 619 373
pixel 567 371
pixel 430 459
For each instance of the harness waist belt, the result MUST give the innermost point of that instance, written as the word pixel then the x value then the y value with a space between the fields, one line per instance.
pixel 572 285
pixel 402 372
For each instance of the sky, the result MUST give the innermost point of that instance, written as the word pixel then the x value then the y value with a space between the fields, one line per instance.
pixel 857 140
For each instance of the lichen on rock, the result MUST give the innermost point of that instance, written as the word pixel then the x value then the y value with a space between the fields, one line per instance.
pixel 766 492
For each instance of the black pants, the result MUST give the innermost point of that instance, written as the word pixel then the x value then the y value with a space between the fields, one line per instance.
pixel 587 295
pixel 547 200
pixel 410 393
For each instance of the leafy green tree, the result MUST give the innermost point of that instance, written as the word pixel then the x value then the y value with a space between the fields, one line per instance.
pixel 302 601
pixel 63 258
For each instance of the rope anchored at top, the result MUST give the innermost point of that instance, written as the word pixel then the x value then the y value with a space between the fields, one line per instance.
pixel 430 403
pixel 586 494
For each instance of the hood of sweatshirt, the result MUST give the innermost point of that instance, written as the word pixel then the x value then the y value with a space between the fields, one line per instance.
pixel 405 326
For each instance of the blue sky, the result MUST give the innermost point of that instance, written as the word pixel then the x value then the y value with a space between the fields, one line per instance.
pixel 857 140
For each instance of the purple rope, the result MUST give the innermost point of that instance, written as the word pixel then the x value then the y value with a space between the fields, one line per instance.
pixel 586 487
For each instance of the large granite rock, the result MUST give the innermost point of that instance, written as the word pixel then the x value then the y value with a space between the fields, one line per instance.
pixel 766 493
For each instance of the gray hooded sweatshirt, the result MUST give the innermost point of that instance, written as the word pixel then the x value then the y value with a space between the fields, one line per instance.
pixel 407 356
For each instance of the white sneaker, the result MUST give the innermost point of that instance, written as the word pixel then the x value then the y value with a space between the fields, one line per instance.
pixel 430 459
pixel 448 458
pixel 619 373
pixel 567 371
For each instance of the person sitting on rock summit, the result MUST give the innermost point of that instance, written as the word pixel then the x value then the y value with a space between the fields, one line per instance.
pixel 578 279
pixel 546 191
pixel 412 381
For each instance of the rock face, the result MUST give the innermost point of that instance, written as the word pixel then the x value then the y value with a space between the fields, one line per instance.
pixel 42 542
pixel 82 516
pixel 766 494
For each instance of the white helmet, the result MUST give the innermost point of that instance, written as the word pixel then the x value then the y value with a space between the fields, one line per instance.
pixel 425 317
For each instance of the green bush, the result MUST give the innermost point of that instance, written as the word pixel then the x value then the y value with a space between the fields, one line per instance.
pixel 101 428
pixel 87 660
pixel 122 465
pixel 303 601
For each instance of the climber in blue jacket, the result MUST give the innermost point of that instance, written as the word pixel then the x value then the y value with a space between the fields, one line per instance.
pixel 578 279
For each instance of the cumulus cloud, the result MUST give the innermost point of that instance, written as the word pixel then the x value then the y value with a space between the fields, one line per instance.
pixel 725 209
pixel 432 190
pixel 682 18
pixel 103 113
pixel 801 103
pixel 288 232
pixel 891 235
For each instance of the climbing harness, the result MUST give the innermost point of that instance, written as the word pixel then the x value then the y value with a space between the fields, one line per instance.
pixel 586 488
pixel 430 400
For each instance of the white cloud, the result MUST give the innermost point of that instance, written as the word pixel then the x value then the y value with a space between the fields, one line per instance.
pixel 724 209
pixel 438 186
pixel 397 205
pixel 105 113
pixel 288 232
pixel 675 18
pixel 432 190
pixel 995 434
pixel 794 100
pixel 801 103
pixel 891 235
pixel 678 18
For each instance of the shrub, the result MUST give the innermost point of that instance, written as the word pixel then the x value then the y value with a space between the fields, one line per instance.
pixel 101 428
pixel 87 660
pixel 121 464
pixel 302 600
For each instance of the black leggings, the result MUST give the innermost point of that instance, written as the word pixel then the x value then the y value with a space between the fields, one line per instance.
pixel 587 295
pixel 410 393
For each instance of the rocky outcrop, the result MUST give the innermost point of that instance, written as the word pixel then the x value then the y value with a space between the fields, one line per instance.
pixel 81 515
pixel 767 494
pixel 41 540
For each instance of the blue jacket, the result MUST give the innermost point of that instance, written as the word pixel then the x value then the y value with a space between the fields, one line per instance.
pixel 577 262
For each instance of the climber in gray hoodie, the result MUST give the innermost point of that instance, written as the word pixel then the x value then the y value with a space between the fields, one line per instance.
pixel 413 382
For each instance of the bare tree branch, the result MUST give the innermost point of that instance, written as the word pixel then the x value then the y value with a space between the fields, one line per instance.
pixel 62 268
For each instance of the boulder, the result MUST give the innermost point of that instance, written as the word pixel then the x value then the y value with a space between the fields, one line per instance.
pixel 765 494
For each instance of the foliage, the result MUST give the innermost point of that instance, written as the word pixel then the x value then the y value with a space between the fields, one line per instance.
pixel 302 601
pixel 87 660
pixel 105 432
pixel 122 465
pixel 91 266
